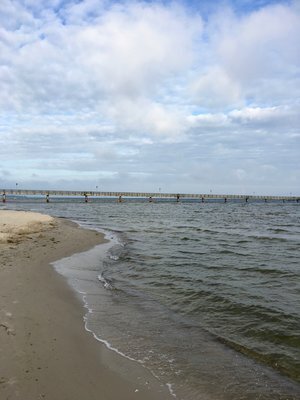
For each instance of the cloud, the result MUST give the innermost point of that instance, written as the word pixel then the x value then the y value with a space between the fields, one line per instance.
pixel 128 51
pixel 251 58
pixel 148 117
pixel 276 116
pixel 108 84
pixel 216 89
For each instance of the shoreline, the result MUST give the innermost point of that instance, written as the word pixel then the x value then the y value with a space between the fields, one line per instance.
pixel 45 349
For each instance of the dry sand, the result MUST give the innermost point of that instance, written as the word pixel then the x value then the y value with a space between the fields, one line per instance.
pixel 45 352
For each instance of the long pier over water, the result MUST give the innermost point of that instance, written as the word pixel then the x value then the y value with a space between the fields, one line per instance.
pixel 48 194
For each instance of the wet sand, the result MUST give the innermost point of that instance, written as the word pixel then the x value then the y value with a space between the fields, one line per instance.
pixel 45 351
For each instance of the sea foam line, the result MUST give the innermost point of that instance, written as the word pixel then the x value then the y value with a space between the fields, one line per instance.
pixel 113 238
pixel 110 347
pixel 107 344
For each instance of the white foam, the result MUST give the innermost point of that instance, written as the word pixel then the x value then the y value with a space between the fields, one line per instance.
pixel 169 386
pixel 108 345
pixel 106 284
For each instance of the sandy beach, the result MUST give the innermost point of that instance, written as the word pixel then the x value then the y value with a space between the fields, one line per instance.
pixel 45 351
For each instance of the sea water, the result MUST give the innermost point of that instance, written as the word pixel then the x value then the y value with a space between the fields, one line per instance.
pixel 204 295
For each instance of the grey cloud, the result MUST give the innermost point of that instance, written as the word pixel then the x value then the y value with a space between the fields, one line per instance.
pixel 149 93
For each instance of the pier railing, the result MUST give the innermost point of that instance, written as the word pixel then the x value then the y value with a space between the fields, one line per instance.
pixel 147 195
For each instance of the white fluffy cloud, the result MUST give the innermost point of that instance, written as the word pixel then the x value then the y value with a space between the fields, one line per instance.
pixel 126 51
pixel 115 84
pixel 252 58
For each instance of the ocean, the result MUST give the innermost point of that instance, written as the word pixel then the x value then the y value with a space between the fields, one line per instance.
pixel 204 295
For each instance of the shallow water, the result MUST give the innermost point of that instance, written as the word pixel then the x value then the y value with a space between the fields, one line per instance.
pixel 204 295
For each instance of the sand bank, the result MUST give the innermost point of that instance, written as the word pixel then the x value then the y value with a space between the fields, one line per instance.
pixel 45 352
pixel 15 225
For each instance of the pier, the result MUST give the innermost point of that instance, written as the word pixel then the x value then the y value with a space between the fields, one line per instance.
pixel 47 195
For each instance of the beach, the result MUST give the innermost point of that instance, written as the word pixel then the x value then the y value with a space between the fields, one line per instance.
pixel 45 351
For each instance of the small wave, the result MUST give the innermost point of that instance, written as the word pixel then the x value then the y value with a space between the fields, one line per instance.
pixel 206 230
pixel 106 282
pixel 185 238
pixel 272 360
pixel 279 230
pixel 108 345
pixel 266 271
pixel 233 252
pixel 269 238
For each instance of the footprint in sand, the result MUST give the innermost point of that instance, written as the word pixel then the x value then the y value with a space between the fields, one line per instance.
pixel 8 329
pixel 5 381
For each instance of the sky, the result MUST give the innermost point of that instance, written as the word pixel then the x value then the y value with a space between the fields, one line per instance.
pixel 172 96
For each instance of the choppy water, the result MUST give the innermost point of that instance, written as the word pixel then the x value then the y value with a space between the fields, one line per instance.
pixel 204 295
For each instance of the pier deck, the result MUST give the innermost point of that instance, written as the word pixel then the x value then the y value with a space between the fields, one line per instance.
pixel 147 195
